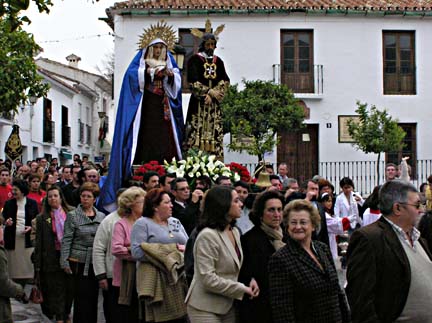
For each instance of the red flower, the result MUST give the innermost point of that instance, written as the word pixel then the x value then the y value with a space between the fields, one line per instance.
pixel 241 170
pixel 152 166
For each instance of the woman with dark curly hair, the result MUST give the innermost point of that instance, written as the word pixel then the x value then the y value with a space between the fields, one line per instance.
pixel 258 245
pixel 49 275
pixel 218 259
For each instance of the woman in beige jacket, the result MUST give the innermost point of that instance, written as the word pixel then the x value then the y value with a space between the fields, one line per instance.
pixel 218 259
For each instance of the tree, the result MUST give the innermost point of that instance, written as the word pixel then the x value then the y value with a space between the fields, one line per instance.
pixel 10 10
pixel 376 132
pixel 257 113
pixel 19 79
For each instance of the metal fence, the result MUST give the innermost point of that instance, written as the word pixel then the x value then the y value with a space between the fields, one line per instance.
pixel 363 173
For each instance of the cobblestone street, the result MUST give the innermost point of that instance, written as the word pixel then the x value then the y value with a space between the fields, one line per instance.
pixel 31 313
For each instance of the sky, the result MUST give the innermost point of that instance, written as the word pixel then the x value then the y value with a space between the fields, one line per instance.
pixel 72 26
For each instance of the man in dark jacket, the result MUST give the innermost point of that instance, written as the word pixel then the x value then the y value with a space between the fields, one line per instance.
pixel 389 264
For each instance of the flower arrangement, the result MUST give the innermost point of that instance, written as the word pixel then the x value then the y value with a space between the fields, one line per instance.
pixel 241 170
pixel 197 164
pixel 151 166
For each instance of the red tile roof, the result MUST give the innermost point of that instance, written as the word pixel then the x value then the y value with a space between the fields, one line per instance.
pixel 256 5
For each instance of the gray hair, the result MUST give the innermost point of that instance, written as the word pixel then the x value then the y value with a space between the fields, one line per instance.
pixel 392 192
pixel 291 181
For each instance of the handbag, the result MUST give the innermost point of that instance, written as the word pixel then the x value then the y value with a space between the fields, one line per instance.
pixel 36 295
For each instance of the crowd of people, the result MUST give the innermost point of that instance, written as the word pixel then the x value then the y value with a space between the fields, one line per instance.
pixel 217 252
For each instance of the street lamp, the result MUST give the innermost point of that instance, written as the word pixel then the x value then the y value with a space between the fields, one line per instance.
pixel 32 100
pixel 179 55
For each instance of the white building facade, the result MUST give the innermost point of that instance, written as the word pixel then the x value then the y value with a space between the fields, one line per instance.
pixel 67 120
pixel 331 56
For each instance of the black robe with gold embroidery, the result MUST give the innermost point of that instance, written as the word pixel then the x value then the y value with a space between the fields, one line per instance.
pixel 204 128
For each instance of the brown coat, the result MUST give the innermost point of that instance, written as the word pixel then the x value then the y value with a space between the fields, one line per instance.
pixel 378 273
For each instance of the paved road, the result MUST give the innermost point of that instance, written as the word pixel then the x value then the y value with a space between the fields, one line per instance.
pixel 31 313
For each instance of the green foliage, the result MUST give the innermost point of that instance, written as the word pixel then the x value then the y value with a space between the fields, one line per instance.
pixel 376 132
pixel 18 71
pixel 10 11
pixel 258 112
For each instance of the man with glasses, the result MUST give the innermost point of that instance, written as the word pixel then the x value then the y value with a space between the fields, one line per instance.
pixel 389 265
pixel 185 204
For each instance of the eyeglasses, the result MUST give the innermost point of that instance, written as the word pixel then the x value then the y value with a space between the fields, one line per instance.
pixel 274 209
pixel 418 206
pixel 187 188
pixel 302 223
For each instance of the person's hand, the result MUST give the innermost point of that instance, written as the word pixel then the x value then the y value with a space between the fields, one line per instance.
pixel 405 158
pixel 181 247
pixel 103 284
pixel 27 229
pixel 9 222
pixel 357 197
pixel 272 188
pixel 254 286
pixel 310 195
pixel 289 192
pixel 68 271
pixel 207 100
pixel 197 195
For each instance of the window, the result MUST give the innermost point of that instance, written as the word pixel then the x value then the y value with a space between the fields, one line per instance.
pixel 409 149
pixel 297 60
pixel 89 134
pixel 191 45
pixel 48 124
pixel 399 62
pixel 65 129
pixel 81 131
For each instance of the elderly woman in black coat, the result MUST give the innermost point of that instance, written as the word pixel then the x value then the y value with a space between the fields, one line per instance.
pixel 18 214
pixel 303 282
pixel 258 245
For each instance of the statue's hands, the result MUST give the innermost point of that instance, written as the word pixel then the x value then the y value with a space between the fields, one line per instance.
pixel 215 94
pixel 169 72
pixel 207 100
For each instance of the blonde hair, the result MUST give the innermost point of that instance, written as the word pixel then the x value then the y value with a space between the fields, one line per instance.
pixel 302 205
pixel 128 198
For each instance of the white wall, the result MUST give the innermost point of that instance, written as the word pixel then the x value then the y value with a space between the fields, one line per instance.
pixel 349 48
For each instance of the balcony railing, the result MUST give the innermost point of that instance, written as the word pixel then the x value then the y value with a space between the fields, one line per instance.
pixel 308 82
pixel 49 131
pixel 81 131
pixel 89 134
pixel 7 115
pixel 66 136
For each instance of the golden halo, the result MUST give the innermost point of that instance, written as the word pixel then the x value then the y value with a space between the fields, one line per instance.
pixel 160 30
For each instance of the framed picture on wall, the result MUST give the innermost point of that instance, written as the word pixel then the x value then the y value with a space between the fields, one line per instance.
pixel 343 135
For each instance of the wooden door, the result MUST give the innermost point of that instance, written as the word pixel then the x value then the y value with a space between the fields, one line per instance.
pixel 409 149
pixel 300 151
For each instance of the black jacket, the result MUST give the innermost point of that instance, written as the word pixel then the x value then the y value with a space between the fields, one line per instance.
pixel 302 292
pixel 187 215
pixel 257 251
pixel 10 211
